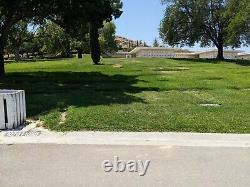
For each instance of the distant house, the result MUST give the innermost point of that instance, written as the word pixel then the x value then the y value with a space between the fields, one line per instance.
pixel 243 56
pixel 156 52
pixel 228 54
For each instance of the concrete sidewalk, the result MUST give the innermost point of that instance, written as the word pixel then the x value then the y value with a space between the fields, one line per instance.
pixel 33 135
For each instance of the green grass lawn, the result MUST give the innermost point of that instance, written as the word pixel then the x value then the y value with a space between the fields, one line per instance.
pixel 143 95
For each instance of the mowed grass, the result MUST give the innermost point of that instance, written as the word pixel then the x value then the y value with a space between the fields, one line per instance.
pixel 144 95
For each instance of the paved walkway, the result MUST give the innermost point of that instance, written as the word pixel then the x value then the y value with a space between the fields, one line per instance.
pixel 33 135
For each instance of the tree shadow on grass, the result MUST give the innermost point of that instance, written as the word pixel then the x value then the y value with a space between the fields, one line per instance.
pixel 46 91
pixel 215 61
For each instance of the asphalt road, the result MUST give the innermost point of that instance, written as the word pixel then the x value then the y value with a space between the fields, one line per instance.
pixel 33 165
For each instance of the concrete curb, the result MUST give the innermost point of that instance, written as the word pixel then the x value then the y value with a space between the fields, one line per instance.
pixel 33 135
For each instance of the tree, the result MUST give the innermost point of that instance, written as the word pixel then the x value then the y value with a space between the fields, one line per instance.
pixel 54 39
pixel 19 34
pixel 94 13
pixel 239 27
pixel 81 44
pixel 67 12
pixel 94 43
pixel 156 43
pixel 107 38
pixel 80 39
pixel 207 22
pixel 15 11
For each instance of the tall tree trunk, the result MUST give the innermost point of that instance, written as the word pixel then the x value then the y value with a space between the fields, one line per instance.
pixel 94 43
pixel 67 48
pixel 17 53
pixel 66 51
pixel 220 55
pixel 79 52
pixel 2 70
pixel 220 47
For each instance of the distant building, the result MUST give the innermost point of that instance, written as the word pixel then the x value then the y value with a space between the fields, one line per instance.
pixel 162 52
pixel 244 56
pixel 213 54
pixel 156 52
pixel 121 55
pixel 186 55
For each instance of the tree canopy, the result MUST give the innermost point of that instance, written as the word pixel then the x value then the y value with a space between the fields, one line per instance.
pixel 208 22
pixel 54 39
pixel 156 43
pixel 67 13
pixel 18 35
pixel 239 27
pixel 107 38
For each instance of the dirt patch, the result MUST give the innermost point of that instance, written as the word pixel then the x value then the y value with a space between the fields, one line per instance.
pixel 38 123
pixel 63 117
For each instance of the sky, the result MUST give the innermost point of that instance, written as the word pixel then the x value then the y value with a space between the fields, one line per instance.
pixel 141 21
